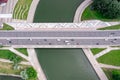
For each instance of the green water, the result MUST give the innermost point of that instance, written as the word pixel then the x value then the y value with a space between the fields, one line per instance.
pixel 56 10
pixel 9 78
pixel 65 64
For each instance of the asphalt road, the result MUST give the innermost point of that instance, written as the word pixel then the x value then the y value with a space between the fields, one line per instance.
pixel 59 33
pixel 60 38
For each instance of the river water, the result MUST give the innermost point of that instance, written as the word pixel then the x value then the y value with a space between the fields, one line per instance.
pixel 65 64
pixel 56 10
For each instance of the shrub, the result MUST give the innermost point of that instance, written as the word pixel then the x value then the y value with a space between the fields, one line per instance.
pixel 108 8
pixel 29 73
pixel 115 75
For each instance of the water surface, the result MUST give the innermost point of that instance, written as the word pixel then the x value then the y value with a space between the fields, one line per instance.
pixel 56 10
pixel 65 64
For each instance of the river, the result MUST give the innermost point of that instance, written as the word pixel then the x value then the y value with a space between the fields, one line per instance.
pixel 65 64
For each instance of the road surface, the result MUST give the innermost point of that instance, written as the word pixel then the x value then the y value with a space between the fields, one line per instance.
pixel 51 38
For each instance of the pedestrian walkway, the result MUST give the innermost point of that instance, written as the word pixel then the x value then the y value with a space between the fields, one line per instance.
pixel 35 63
pixel 32 10
pixel 8 61
pixel 19 21
pixel 80 9
pixel 109 66
pixel 5 15
pixel 106 51
pixel 7 11
pixel 95 64
pixel 18 53
pixel 84 25
pixel 2 74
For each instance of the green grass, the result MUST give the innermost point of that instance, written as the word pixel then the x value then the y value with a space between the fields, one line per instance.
pixel 23 50
pixel 7 54
pixel 7 27
pixel 108 73
pixel 111 58
pixel 97 50
pixel 115 27
pixel 21 9
pixel 90 14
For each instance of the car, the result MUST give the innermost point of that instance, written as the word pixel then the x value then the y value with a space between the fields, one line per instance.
pixel 3 2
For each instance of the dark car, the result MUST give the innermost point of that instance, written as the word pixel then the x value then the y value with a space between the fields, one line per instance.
pixel 3 2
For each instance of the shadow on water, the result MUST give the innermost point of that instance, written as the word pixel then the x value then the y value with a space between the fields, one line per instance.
pixel 9 78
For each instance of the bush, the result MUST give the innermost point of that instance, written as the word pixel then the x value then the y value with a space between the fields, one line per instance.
pixel 115 75
pixel 108 8
pixel 29 73
pixel 15 59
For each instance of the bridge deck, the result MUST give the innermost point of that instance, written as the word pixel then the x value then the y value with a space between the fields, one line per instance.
pixel 60 38
pixel 60 33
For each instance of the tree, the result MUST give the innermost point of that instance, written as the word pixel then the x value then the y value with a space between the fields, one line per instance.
pixel 29 73
pixel 108 8
pixel 16 60
pixel 116 75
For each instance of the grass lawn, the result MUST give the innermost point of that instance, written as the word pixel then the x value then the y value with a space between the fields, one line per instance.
pixel 56 10
pixel 7 68
pixel 21 9
pixel 111 58
pixel 108 73
pixel 89 14
pixel 97 50
pixel 115 27
pixel 22 50
pixel 7 27
pixel 7 54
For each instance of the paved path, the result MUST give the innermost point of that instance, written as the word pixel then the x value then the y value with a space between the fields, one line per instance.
pixel 109 66
pixel 10 75
pixel 80 9
pixel 84 25
pixel 32 10
pixel 8 61
pixel 95 64
pixel 19 53
pixel 105 51
pixel 35 63
pixel 7 9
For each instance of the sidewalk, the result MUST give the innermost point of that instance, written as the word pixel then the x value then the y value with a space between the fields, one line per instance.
pixel 80 9
pixel 105 51
pixel 95 64
pixel 109 66
pixel 8 61
pixel 35 63
pixel 84 25
pixel 32 10
pixel 19 53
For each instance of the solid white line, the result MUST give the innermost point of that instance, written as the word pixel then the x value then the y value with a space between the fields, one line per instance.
pixel 106 38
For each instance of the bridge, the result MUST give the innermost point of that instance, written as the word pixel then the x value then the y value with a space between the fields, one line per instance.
pixel 60 39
